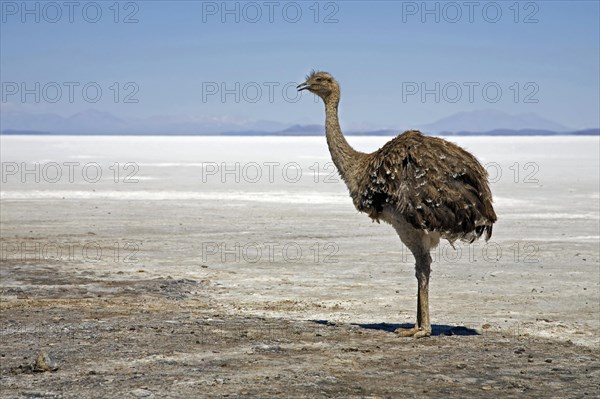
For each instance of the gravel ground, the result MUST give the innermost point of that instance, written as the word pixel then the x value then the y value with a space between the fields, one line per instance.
pixel 167 338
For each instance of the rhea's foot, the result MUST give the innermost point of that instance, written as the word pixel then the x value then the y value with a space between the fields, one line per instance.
pixel 413 332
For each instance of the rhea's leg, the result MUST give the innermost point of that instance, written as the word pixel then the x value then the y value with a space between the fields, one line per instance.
pixel 423 323
pixel 422 327
pixel 409 332
pixel 419 243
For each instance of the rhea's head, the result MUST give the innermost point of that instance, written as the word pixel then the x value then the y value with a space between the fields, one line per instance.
pixel 320 83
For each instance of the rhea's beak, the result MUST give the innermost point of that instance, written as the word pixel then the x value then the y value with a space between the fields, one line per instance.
pixel 303 86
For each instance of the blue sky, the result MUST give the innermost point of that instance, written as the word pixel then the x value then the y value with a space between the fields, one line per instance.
pixel 543 56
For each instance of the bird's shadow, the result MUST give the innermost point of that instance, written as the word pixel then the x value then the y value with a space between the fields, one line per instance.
pixel 436 329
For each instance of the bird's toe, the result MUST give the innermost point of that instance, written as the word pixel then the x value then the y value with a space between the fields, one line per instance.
pixel 422 333
pixel 413 332
pixel 406 332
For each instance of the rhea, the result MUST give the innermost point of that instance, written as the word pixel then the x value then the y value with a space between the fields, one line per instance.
pixel 427 188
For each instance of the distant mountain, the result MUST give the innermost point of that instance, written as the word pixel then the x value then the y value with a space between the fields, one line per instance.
pixel 36 132
pixel 319 130
pixel 98 121
pixel 496 132
pixel 587 132
pixel 384 132
pixel 92 121
pixel 303 129
pixel 524 132
pixel 311 130
pixel 487 120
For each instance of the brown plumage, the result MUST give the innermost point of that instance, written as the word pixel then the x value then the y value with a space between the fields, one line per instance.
pixel 427 188
pixel 436 185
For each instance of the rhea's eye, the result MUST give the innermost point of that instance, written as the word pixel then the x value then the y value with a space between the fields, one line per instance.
pixel 318 79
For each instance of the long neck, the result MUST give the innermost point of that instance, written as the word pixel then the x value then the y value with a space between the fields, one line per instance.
pixel 342 153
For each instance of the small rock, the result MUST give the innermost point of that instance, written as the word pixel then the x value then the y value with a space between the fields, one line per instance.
pixel 486 326
pixel 548 360
pixel 44 362
pixel 487 387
